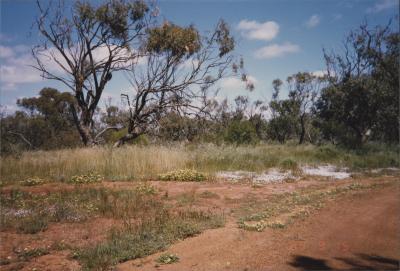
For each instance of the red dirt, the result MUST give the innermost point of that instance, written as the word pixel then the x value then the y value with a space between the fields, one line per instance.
pixel 345 234
pixel 357 232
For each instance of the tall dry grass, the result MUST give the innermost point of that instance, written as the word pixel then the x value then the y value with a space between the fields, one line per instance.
pixel 139 162
pixel 131 162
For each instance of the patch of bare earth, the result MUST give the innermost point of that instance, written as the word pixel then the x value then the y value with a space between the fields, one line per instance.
pixel 358 231
pixel 350 232
pixel 56 240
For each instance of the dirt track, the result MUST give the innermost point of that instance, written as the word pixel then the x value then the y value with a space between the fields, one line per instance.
pixel 356 232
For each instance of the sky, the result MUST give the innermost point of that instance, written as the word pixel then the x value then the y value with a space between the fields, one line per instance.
pixel 276 38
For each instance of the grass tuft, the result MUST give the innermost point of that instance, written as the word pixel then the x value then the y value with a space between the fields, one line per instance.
pixel 86 178
pixel 152 235
pixel 33 181
pixel 183 175
pixel 32 224
pixel 167 258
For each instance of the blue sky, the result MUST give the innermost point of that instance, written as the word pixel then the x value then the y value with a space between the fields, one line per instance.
pixel 275 37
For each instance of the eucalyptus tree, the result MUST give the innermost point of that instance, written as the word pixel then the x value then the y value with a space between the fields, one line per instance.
pixel 179 73
pixel 304 87
pixel 83 45
pixel 362 100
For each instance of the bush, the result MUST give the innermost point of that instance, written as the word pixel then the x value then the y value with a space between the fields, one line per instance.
pixel 86 178
pixel 183 175
pixel 288 164
pixel 146 189
pixel 167 259
pixel 32 181
pixel 326 153
pixel 33 224
pixel 241 132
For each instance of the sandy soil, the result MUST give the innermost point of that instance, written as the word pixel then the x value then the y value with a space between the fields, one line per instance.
pixel 356 232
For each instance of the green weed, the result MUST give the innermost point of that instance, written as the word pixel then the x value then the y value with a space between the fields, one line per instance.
pixel 183 175
pixel 167 258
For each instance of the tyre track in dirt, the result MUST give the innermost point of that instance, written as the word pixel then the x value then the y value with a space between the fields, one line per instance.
pixel 359 231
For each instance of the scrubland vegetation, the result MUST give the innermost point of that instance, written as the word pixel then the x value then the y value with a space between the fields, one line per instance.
pixel 147 162
pixel 122 164
pixel 144 223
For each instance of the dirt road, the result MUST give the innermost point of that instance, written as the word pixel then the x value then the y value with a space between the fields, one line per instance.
pixel 354 232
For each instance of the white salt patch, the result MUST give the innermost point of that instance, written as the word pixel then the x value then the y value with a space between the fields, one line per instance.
pixel 273 176
pixel 235 175
pixel 377 170
pixel 270 176
pixel 326 171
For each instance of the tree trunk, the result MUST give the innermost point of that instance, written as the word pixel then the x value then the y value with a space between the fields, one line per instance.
pixel 126 138
pixel 303 130
pixel 86 135
pixel 84 128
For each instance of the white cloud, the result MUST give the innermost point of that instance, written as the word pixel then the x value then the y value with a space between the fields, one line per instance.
pixel 254 30
pixel 276 50
pixel 313 21
pixel 383 5
pixel 231 83
pixel 234 83
pixel 320 73
pixel 9 108
pixel 231 87
pixel 190 63
pixel 17 61
pixel 6 52
pixel 16 67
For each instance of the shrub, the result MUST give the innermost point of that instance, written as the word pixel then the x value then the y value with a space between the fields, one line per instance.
pixel 258 226
pixel 241 132
pixel 28 254
pixel 32 181
pixel 326 153
pixel 86 178
pixel 183 175
pixel 288 164
pixel 149 237
pixel 146 189
pixel 33 224
pixel 167 259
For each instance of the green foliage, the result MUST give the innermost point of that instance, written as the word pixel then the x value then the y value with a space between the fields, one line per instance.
pixel 174 127
pixel 283 124
pixel 183 175
pixel 289 164
pixel 327 153
pixel 167 258
pixel 241 132
pixel 171 38
pixel 114 17
pixel 45 123
pixel 362 100
pixel 225 41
